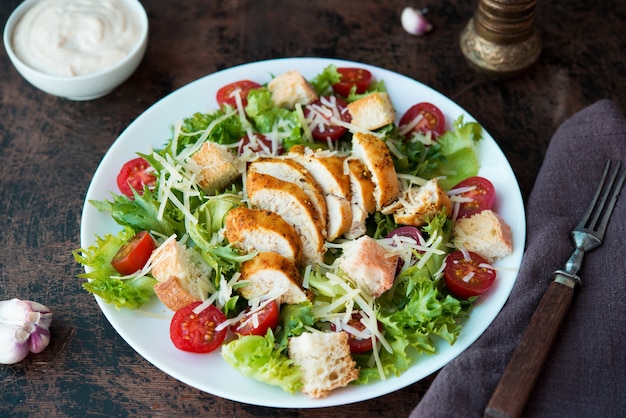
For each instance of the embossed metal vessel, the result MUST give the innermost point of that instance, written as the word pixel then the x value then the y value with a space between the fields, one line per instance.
pixel 501 39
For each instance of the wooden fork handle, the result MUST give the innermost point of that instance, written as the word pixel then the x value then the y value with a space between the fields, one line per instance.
pixel 520 375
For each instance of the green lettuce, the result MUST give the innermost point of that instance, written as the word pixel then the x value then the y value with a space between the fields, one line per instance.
pixel 255 356
pixel 452 158
pixel 266 115
pixel 128 293
pixel 415 311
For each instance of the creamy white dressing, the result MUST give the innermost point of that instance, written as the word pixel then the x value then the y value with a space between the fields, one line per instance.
pixel 76 37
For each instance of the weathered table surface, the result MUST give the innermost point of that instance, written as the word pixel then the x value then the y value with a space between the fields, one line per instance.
pixel 50 148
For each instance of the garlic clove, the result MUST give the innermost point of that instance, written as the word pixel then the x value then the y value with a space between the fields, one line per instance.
pixel 39 340
pixel 11 350
pixel 23 328
pixel 414 22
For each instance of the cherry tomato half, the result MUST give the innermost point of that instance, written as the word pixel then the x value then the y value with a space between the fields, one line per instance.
pixel 466 278
pixel 267 318
pixel 196 332
pixel 226 95
pixel 482 195
pixel 357 345
pixel 424 118
pixel 359 77
pixel 318 116
pixel 133 255
pixel 260 144
pixel 135 174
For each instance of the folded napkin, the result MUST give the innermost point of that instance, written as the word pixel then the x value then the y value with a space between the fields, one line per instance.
pixel 585 373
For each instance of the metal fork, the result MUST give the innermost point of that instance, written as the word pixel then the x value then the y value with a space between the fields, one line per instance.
pixel 520 375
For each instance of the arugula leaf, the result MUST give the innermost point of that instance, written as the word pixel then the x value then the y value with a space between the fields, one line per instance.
pixel 141 213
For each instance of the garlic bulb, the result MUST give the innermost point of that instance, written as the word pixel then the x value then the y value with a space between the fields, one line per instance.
pixel 414 22
pixel 24 328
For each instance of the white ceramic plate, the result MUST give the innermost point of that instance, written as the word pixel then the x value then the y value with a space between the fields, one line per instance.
pixel 147 331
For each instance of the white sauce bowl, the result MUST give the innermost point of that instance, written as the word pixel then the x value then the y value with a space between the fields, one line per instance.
pixel 79 87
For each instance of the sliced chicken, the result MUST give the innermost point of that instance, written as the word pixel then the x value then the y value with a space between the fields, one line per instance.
pixel 418 205
pixel 327 170
pixel 257 230
pixel 376 157
pixel 291 171
pixel 363 203
pixel 270 273
pixel 293 205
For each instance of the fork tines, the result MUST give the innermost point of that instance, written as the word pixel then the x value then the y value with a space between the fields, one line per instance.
pixel 599 211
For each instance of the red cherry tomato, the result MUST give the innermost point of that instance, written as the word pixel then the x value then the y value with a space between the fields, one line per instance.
pixel 267 318
pixel 196 332
pixel 260 144
pixel 359 77
pixel 226 95
pixel 357 345
pixel 466 278
pixel 482 195
pixel 424 118
pixel 135 174
pixel 133 255
pixel 318 115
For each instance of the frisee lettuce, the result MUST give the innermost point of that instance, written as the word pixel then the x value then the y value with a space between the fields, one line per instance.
pixel 452 157
pixel 130 293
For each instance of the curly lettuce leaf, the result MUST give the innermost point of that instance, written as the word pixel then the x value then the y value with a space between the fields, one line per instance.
pixel 269 118
pixel 415 311
pixel 129 293
pixel 225 128
pixel 255 356
pixel 452 158
pixel 323 82
pixel 294 319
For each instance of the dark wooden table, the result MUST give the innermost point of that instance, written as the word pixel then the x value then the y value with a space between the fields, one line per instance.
pixel 50 147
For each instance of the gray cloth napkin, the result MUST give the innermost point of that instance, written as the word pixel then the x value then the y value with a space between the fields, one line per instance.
pixel 585 373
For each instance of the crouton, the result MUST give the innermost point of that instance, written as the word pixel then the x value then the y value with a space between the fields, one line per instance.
pixel 218 166
pixel 373 152
pixel 372 111
pixel 182 278
pixel 291 88
pixel 419 205
pixel 256 230
pixel 270 272
pixel 325 361
pixel 484 233
pixel 370 265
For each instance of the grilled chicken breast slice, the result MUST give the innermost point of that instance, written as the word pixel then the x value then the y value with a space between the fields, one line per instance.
pixel 363 203
pixel 376 157
pixel 292 172
pixel 270 272
pixel 293 205
pixel 328 172
pixel 258 230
